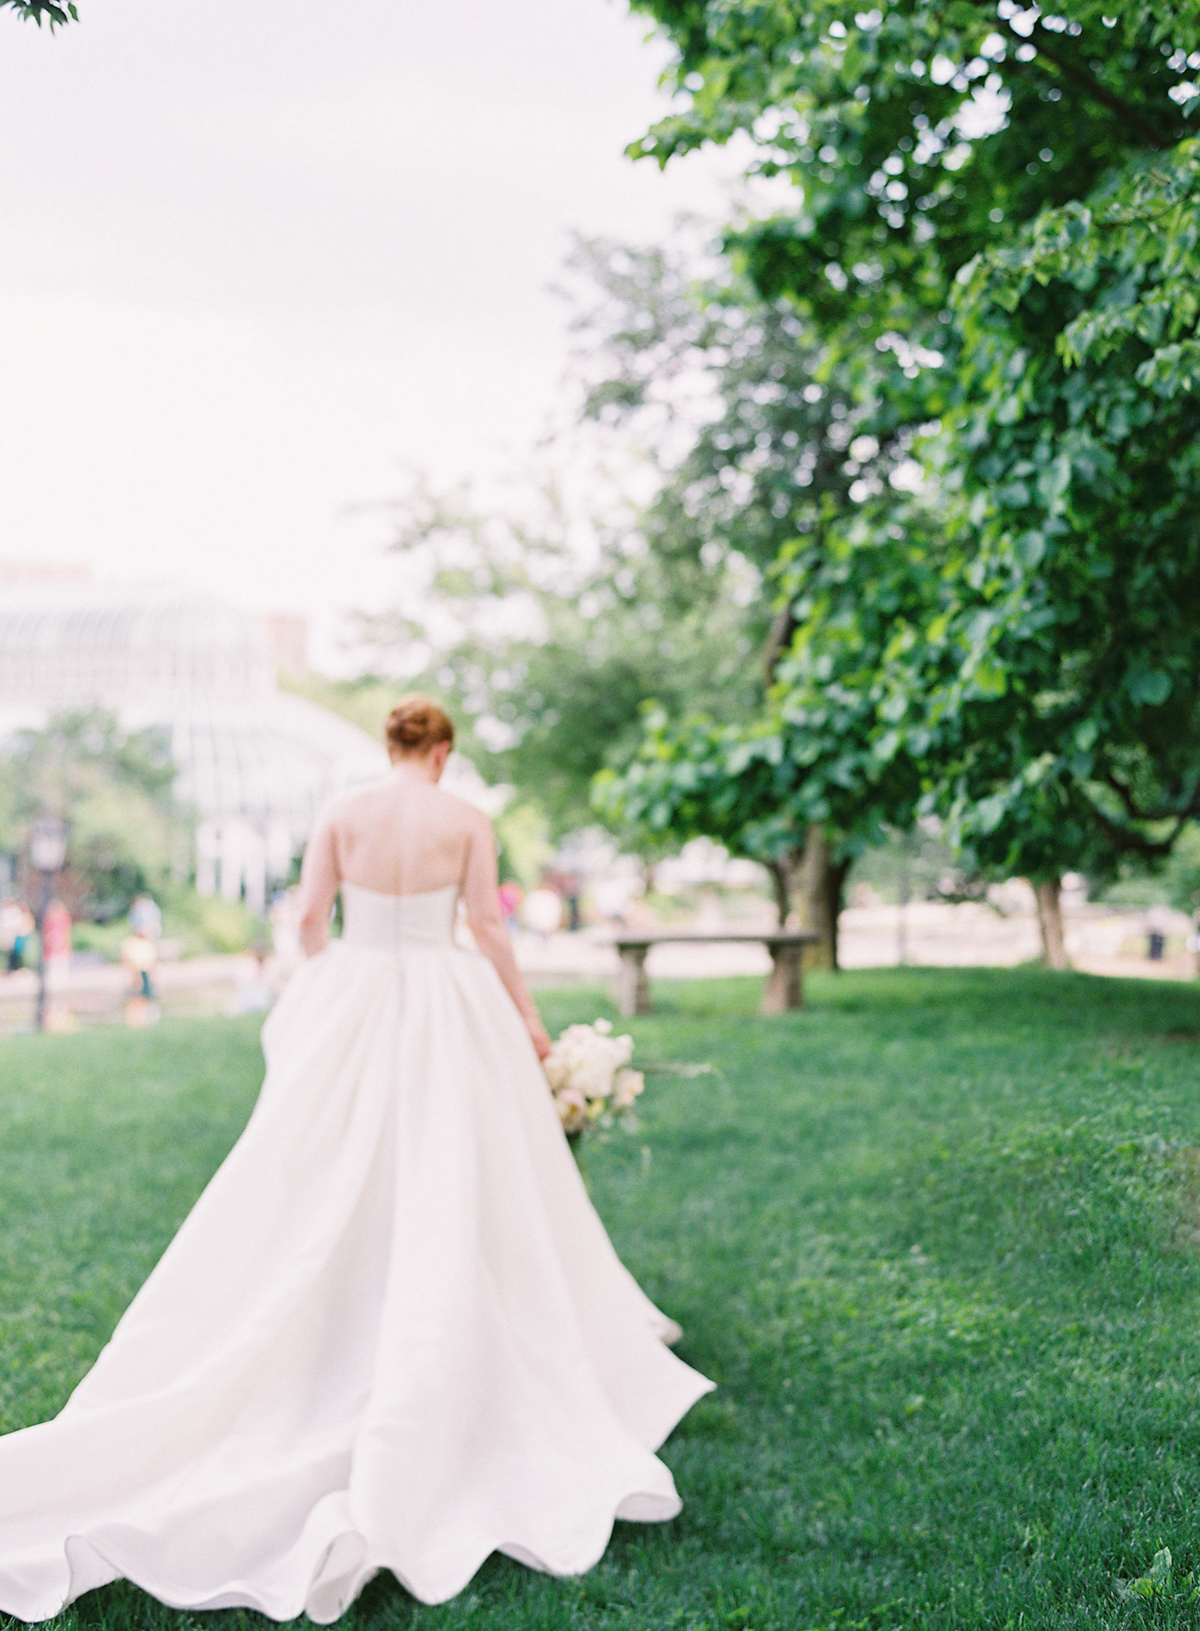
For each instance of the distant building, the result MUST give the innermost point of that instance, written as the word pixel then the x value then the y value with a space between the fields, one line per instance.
pixel 289 642
pixel 254 761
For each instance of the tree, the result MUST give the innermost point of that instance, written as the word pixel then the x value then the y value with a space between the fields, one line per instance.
pixel 35 10
pixel 114 790
pixel 552 636
pixel 750 446
pixel 1072 457
pixel 810 783
pixel 756 435
pixel 1040 667
pixel 1175 881
pixel 765 444
pixel 922 139
pixel 824 771
pixel 917 136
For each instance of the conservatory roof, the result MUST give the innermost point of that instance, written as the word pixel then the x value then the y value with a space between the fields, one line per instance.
pixel 194 666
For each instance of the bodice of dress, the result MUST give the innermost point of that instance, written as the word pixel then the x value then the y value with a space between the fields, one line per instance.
pixel 393 922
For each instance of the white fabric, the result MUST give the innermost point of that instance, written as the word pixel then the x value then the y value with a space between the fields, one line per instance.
pixel 391 1334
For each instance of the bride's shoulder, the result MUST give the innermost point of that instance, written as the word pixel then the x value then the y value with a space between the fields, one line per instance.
pixel 462 810
pixel 347 799
pixel 348 806
pixel 383 800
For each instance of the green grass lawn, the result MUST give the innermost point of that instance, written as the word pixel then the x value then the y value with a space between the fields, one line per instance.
pixel 937 1238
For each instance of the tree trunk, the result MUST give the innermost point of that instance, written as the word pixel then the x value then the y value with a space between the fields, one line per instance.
pixel 822 883
pixel 1049 910
pixel 783 881
pixel 779 638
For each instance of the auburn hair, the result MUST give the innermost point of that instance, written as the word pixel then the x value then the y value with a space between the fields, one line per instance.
pixel 416 725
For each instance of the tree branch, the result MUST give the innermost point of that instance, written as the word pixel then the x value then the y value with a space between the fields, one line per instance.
pixel 1091 85
pixel 35 10
pixel 1191 805
pixel 779 638
pixel 1128 842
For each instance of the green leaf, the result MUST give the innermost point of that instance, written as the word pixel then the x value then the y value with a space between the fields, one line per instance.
pixel 1031 547
pixel 990 812
pixel 1150 686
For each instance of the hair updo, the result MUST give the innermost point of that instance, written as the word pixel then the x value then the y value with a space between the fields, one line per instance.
pixel 416 725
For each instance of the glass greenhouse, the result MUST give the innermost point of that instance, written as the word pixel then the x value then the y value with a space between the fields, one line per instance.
pixel 254 761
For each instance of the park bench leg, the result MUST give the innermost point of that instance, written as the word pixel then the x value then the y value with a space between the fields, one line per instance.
pixel 784 989
pixel 633 988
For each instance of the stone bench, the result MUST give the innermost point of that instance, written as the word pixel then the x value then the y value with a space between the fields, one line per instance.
pixel 784 988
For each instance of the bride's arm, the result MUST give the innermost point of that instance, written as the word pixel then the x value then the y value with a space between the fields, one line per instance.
pixel 491 936
pixel 319 881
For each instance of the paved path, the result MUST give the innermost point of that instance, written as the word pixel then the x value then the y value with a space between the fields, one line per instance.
pixel 928 933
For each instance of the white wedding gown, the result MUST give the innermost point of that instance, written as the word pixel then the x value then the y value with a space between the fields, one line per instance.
pixel 392 1334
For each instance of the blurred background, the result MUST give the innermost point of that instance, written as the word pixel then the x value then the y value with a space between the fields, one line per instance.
pixel 349 355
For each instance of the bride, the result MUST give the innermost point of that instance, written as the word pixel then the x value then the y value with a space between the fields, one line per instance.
pixel 392 1334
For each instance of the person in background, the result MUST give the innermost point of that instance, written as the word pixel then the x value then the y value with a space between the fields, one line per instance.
pixel 140 954
pixel 56 955
pixel 145 917
pixel 56 943
pixel 23 925
pixel 510 895
pixel 11 919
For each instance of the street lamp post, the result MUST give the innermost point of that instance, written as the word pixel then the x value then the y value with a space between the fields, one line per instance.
pixel 47 852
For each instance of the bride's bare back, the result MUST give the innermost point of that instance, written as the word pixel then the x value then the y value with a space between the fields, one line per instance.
pixel 405 836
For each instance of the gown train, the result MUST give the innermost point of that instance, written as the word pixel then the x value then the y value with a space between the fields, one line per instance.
pixel 391 1334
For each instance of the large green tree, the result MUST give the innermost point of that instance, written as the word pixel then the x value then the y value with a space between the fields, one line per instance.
pixel 917 134
pixel 765 447
pixel 830 764
pixel 1075 452
pixel 924 139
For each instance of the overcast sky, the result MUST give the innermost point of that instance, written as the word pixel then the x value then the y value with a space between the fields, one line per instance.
pixel 258 256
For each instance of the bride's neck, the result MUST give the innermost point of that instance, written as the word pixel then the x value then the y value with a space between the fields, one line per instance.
pixel 417 772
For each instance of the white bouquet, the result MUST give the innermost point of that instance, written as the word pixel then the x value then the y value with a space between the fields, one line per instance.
pixel 586 1069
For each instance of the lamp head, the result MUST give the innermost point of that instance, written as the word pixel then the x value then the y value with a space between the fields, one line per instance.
pixel 47 844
